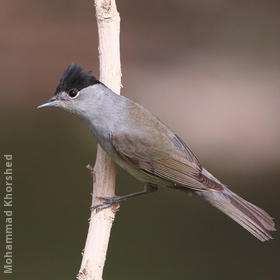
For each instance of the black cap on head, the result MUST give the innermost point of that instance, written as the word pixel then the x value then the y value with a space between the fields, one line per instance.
pixel 74 77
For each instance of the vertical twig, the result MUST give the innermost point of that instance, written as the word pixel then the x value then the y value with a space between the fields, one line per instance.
pixel 108 22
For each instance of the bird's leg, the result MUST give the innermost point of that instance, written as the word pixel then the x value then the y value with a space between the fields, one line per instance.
pixel 109 201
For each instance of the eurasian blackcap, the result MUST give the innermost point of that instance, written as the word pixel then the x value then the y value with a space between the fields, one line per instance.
pixel 146 148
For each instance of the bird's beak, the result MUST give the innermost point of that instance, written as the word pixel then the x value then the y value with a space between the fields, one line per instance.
pixel 51 102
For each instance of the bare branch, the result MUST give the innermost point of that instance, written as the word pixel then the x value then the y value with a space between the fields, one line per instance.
pixel 108 22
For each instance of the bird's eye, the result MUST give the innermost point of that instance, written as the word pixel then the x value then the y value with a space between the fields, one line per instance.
pixel 73 92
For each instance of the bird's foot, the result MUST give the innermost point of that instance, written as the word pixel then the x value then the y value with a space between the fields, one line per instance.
pixel 108 201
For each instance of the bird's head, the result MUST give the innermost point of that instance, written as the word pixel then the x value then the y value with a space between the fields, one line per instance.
pixel 75 91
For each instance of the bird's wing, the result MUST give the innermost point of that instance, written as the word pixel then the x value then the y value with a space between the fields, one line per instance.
pixel 174 162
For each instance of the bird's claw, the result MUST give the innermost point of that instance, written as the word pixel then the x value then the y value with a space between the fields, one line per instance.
pixel 108 201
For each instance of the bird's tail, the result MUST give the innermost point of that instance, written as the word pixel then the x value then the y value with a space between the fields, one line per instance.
pixel 249 216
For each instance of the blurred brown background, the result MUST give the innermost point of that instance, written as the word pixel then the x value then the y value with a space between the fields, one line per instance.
pixel 209 69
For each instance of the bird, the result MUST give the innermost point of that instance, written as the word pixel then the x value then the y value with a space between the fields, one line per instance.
pixel 146 148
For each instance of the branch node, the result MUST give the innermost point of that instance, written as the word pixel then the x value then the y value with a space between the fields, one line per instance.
pixel 92 172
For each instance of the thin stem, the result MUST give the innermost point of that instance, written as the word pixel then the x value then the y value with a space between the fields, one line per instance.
pixel 108 22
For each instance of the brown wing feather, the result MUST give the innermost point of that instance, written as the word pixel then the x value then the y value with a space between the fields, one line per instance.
pixel 179 165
